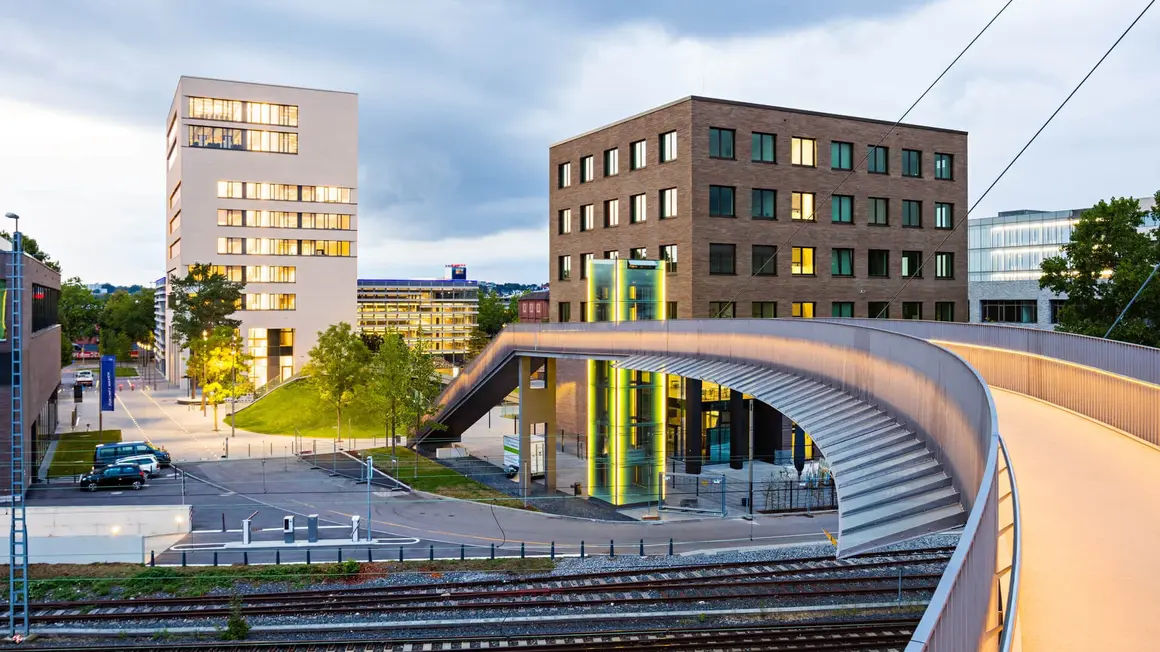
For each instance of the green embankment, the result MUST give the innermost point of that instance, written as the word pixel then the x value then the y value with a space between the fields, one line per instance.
pixel 74 453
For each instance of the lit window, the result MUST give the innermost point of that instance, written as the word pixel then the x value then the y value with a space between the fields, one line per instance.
pixel 668 203
pixel 668 146
pixel 586 169
pixel 611 162
pixel 638 209
pixel 802 309
pixel 802 261
pixel 639 154
pixel 802 206
pixel 803 151
pixel 565 217
pixel 611 213
pixel 587 217
pixel 230 246
pixel 564 175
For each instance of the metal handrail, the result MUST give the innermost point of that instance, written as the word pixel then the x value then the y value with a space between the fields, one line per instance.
pixel 1011 613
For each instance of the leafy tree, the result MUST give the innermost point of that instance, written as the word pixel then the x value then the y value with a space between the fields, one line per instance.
pixel 386 393
pixel 477 343
pixel 1103 266
pixel 131 314
pixel 201 301
pixel 117 344
pixel 225 369
pixel 496 311
pixel 372 341
pixel 425 387
pixel 32 248
pixel 337 367
pixel 79 310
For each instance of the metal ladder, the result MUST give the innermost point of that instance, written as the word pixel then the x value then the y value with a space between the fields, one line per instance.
pixel 18 537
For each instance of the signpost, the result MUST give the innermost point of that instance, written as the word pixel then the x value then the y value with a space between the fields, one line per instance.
pixel 108 388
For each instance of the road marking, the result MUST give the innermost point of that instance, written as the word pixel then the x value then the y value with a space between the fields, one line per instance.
pixel 132 418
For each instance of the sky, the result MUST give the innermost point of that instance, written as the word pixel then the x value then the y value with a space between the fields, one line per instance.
pixel 460 99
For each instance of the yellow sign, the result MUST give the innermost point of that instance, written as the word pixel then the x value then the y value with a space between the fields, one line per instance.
pixel 833 539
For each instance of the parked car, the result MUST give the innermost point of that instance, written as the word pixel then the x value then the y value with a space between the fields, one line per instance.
pixel 116 475
pixel 84 377
pixel 147 463
pixel 106 454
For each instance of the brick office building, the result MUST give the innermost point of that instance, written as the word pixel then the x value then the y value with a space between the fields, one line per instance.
pixel 41 362
pixel 726 192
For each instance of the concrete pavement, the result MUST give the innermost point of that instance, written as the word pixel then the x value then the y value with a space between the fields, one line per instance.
pixel 1089 579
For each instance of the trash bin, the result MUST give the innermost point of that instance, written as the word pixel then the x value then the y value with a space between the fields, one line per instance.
pixel 288 529
pixel 78 393
pixel 576 489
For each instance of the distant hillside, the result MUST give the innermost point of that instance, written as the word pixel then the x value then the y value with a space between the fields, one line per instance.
pixel 509 289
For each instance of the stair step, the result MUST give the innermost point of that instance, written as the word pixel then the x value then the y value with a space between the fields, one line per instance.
pixel 865 446
pixel 878 455
pixel 907 527
pixel 851 485
pixel 891 493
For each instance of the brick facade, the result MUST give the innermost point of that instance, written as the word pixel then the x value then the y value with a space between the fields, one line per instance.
pixel 693 171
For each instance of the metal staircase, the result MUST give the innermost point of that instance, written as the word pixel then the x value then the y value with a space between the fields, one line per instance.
pixel 18 534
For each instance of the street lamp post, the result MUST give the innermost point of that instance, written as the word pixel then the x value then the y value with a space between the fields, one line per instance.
pixel 234 392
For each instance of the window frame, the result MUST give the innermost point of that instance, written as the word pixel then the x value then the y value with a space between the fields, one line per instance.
pixel 757 147
pixel 757 309
pixel 638 208
pixel 876 308
pixel 912 163
pixel 941 258
pixel 587 169
pixel 723 310
pixel 800 210
pixel 799 307
pixel 911 254
pixel 911 305
pixel 797 261
pixel 564 267
pixel 950 215
pixel 757 200
pixel 838 255
pixel 834 309
pixel 584 260
pixel 732 201
pixel 611 161
pixel 665 154
pixel 910 203
pixel 564 221
pixel 638 155
pixel 870 258
pixel 839 148
pixel 587 217
pixel 671 264
pixel 715 138
pixel 795 151
pixel 871 213
pixel 564 175
pixel 872 159
pixel 717 252
pixel 837 202
pixel 766 269
pixel 612 212
pixel 665 204
pixel 949 173
pixel 940 307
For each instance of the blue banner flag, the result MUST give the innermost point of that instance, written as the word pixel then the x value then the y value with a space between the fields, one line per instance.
pixel 108 382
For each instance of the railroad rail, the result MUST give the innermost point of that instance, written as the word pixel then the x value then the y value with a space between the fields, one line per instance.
pixel 872 574
pixel 880 635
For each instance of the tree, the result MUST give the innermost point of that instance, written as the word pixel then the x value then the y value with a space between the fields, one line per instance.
pixel 477 343
pixel 372 341
pixel 116 344
pixel 496 311
pixel 201 301
pixel 32 248
pixel 1102 267
pixel 387 389
pixel 426 386
pixel 337 367
pixel 79 311
pixel 225 369
pixel 131 314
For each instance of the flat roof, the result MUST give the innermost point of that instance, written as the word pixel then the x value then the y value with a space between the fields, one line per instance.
pixel 413 282
pixel 717 100
pixel 238 81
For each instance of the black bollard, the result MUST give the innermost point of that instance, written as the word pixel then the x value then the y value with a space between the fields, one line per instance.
pixel 245 558
pixel 370 556
pixel 277 557
pixel 152 558
pixel 611 548
pixel 340 555
pixel 670 546
pixel 462 552
pixel 308 556
pixel 215 558
pixel 582 549
pixel 642 547
pixel 522 556
pixel 431 554
pixel 493 551
pixel 553 551
pixel 400 553
pixel 183 559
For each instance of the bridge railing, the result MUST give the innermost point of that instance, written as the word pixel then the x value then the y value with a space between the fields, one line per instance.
pixel 924 386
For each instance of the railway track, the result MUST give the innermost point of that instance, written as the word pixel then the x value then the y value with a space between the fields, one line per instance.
pixel 879 636
pixel 718 584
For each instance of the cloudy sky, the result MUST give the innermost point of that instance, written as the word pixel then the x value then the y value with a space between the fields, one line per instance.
pixel 459 100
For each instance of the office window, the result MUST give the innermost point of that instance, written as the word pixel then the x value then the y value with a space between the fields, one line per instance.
pixel 333 221
pixel 802 309
pixel 611 162
pixel 638 253
pixel 230 189
pixel 764 310
pixel 216 137
pixel 762 204
pixel 233 217
pixel 803 151
pixel 944 311
pixel 878 211
pixel 564 175
pixel 587 217
pixel 263 301
pixel 639 208
pixel 564 311
pixel 720 143
pixel 764 260
pixel 721 201
pixel 670 310
pixel 764 148
pixel 801 206
pixel 668 146
pixel 262 274
pixel 564 267
pixel 311 247
pixel 912 264
pixel 611 255
pixel 911 163
pixel 583 316
pixel 842 207
pixel 175 196
pixel 638 155
pixel 877 159
pixel 842 262
pixel 944 264
pixel 175 249
pixel 912 310
pixel 565 218
pixel 1055 306
pixel 722 258
pixel 722 309
pixel 175 222
pixel 584 260
pixel 230 246
pixel 944 166
pixel 668 203
pixel 801 261
pixel 587 172
pixel 841 156
pixel 669 255
pixel 878 310
pixel 878 263
pixel 1010 311
pixel 842 309
pixel 944 215
pixel 278 142
pixel 611 212
pixel 324 194
pixel 911 213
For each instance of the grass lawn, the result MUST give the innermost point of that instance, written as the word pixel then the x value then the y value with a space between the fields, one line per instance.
pixel 297 405
pixel 74 453
pixel 122 372
pixel 88 581
pixel 435 478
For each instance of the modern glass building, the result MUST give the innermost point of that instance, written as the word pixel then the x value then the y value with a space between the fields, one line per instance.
pixel 1004 257
pixel 626 409
pixel 439 313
